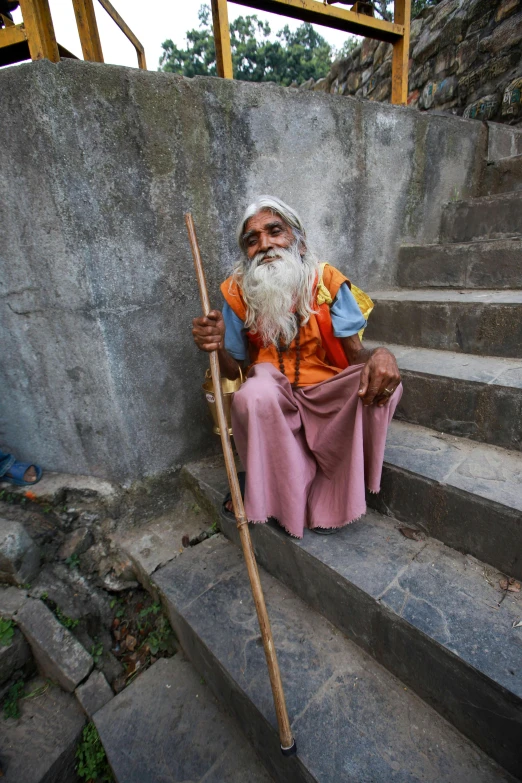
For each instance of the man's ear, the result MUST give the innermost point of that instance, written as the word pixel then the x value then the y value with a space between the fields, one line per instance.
pixel 302 247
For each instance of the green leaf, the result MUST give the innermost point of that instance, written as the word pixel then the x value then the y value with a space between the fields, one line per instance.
pixel 6 632
pixel 295 56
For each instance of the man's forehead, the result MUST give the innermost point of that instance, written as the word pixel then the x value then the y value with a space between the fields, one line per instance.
pixel 262 219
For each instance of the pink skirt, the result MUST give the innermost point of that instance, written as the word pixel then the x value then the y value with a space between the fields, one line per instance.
pixel 309 453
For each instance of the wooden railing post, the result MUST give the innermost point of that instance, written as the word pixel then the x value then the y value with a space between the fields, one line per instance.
pixel 39 28
pixel 401 53
pixel 124 27
pixel 88 30
pixel 222 39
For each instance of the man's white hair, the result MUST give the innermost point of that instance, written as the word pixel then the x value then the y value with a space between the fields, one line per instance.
pixel 276 292
pixel 278 207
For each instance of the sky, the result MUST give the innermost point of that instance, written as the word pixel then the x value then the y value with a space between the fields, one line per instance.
pixel 153 22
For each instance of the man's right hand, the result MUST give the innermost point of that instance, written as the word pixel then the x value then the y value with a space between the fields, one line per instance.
pixel 209 331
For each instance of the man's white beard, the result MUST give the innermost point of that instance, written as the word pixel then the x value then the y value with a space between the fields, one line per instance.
pixel 275 291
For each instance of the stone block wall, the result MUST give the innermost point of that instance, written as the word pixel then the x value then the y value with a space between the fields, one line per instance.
pixel 465 59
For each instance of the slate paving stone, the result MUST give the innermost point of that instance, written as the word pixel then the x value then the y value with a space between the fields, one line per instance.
pixel 352 719
pixel 168 728
pixel 461 394
pixel 58 654
pixel 94 693
pixel 487 471
pixel 40 746
pixel 494 370
pixel 461 296
pixel 419 450
pixel 446 596
pixel 426 641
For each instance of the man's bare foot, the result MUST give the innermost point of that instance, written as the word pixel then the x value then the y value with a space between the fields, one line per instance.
pixel 30 474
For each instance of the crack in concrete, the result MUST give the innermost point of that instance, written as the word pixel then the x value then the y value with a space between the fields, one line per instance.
pixel 89 311
pixel 395 581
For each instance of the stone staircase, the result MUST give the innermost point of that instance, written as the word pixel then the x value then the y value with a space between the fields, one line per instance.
pixel 400 654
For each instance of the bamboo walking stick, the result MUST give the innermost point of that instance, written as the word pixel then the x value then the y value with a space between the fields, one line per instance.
pixel 288 745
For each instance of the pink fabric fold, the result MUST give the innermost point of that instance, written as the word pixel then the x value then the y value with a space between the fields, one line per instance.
pixel 309 453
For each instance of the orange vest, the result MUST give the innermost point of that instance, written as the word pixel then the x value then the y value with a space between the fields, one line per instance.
pixel 322 354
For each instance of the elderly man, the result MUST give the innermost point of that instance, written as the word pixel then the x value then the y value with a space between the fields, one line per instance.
pixel 310 421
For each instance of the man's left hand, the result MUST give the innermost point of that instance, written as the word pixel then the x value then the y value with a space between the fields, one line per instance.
pixel 379 378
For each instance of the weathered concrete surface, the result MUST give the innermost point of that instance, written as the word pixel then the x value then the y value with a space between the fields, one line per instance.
pixel 19 555
pixel 351 718
pixel 478 397
pixel 99 372
pixel 471 321
pixel 59 487
pixel 167 728
pixel 40 746
pixel 58 654
pixel 504 176
pixel 94 694
pixel 76 543
pixel 487 217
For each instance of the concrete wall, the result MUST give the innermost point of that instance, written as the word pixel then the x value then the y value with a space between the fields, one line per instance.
pixel 97 367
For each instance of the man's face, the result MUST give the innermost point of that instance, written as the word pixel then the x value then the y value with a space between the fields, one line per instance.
pixel 266 231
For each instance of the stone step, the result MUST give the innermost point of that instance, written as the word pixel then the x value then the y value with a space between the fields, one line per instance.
pixel 492 264
pixel 453 489
pixel 503 176
pixel 168 727
pixel 352 719
pixel 478 322
pixel 478 397
pixel 58 654
pixel 488 217
pixel 40 746
pixel 465 494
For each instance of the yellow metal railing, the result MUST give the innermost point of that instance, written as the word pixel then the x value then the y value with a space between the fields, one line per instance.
pixel 316 12
pixel 34 38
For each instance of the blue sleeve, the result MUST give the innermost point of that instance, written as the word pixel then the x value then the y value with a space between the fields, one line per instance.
pixel 347 318
pixel 236 341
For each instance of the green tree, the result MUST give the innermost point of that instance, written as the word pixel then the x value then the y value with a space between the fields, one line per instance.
pixel 419 5
pixel 384 8
pixel 294 56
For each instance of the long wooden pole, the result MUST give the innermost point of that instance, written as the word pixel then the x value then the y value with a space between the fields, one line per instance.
pixel 88 30
pixel 222 39
pixel 288 745
pixel 401 54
